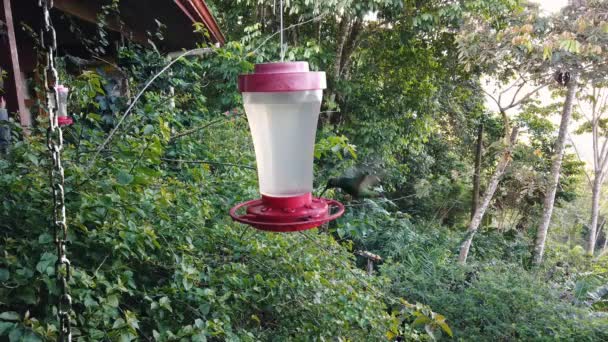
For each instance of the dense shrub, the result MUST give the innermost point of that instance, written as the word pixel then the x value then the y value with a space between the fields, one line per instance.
pixel 493 297
pixel 154 253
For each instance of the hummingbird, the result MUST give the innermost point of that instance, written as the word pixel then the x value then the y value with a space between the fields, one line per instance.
pixel 358 186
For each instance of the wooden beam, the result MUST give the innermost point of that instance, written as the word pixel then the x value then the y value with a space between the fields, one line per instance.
pixel 18 100
pixel 88 11
pixel 185 10
pixel 198 11
pixel 209 21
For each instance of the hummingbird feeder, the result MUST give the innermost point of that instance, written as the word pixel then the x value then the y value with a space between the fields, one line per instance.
pixel 63 119
pixel 282 102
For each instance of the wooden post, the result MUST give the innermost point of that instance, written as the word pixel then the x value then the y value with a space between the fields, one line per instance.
pixel 371 258
pixel 5 130
pixel 16 86
pixel 370 267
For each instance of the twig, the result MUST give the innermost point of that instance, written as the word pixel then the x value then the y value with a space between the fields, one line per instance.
pixel 98 267
pixel 207 162
pixel 195 129
pixel 112 65
pixel 525 97
pixel 193 52
pixel 385 200
pixel 141 92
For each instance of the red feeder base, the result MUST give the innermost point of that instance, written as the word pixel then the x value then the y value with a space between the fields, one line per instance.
pixel 64 120
pixel 287 214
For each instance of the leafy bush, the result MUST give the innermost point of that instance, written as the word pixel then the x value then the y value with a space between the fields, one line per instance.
pixel 154 253
pixel 490 299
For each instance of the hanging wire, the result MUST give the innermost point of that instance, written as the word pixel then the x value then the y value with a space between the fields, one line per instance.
pixel 317 18
pixel 282 30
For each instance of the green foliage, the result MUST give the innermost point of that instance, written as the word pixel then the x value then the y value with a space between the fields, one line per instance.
pixel 489 298
pixel 155 255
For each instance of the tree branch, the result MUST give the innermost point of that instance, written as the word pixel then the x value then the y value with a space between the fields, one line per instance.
pixel 525 97
pixel 194 130
pixel 207 162
pixel 132 105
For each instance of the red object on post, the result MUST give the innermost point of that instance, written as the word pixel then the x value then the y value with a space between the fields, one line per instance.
pixel 282 102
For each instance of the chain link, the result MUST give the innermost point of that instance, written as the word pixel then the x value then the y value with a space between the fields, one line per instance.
pixel 54 140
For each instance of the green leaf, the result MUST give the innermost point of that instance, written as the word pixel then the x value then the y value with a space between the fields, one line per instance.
pixel 205 308
pixel 4 274
pixel 547 52
pixel 45 238
pixel 112 301
pixel 96 334
pixel 165 303
pixel 32 158
pixel 148 129
pixel 27 295
pixel 124 178
pixel 15 335
pixel 126 337
pixel 446 328
pixel 5 327
pixel 89 302
pixel 119 323
pixel 187 284
pixel 30 336
pixel 46 265
pixel 199 338
pixel 420 320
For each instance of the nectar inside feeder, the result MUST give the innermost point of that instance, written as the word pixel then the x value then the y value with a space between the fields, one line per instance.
pixel 63 119
pixel 282 103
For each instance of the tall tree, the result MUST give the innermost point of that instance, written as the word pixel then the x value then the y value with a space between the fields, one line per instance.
pixel 503 162
pixel 502 51
pixel 556 166
pixel 527 46
pixel 581 36
pixel 477 172
pixel 596 124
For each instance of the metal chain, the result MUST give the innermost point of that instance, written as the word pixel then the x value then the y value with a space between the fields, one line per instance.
pixel 63 272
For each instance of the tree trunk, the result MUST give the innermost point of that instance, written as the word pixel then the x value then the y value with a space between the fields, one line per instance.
pixel 505 159
pixel 605 248
pixel 349 47
pixel 599 229
pixel 370 267
pixel 343 32
pixel 349 30
pixel 595 212
pixel 476 175
pixel 556 166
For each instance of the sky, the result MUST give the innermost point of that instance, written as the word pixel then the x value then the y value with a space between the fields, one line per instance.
pixel 551 6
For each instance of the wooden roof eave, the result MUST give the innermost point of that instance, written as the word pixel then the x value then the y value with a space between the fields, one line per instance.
pixel 198 11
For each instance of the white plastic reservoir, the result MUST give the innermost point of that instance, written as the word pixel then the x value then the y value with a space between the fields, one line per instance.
pixel 283 126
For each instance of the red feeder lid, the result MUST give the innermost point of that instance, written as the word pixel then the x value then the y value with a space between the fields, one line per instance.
pixel 282 77
pixel 64 120
pixel 287 214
